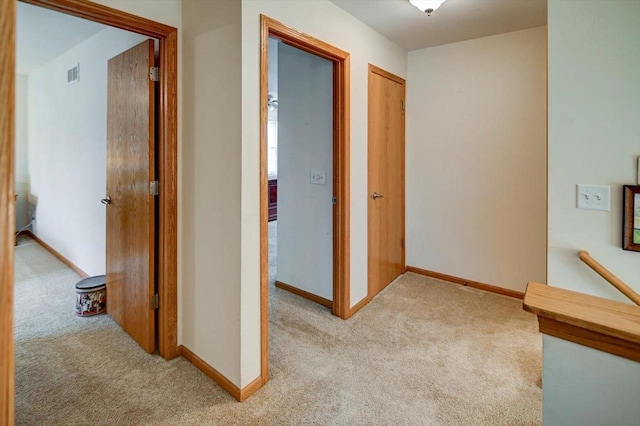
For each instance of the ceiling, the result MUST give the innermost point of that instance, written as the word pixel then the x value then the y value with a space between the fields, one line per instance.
pixel 42 35
pixel 455 20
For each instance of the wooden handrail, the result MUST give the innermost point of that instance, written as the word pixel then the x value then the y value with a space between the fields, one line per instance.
pixel 607 275
pixel 596 322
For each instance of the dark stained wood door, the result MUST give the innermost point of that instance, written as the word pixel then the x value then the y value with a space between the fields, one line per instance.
pixel 131 211
pixel 385 179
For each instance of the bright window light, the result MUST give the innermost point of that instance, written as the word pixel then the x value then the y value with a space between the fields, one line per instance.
pixel 272 146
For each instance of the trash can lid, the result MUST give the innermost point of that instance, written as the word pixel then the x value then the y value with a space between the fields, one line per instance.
pixel 91 282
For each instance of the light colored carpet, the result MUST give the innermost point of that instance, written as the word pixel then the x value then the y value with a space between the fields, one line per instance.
pixel 423 352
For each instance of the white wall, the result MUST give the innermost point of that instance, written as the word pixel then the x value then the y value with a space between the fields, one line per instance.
pixel 211 179
pixel 475 159
pixel 305 144
pixel 325 21
pixel 67 149
pixel 167 12
pixel 21 153
pixel 594 105
pixel 583 386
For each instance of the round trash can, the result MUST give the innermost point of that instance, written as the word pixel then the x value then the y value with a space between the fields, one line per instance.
pixel 91 296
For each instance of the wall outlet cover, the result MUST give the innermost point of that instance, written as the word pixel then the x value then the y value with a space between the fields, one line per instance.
pixel 318 177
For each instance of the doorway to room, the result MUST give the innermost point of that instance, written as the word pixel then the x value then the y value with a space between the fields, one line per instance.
pixel 167 170
pixel 300 171
pixel 85 127
pixel 332 191
pixel 166 156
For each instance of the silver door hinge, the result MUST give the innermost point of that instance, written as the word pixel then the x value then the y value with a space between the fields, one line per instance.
pixel 155 301
pixel 334 200
pixel 154 187
pixel 154 73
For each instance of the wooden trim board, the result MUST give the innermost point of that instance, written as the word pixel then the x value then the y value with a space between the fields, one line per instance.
pixel 167 238
pixel 468 283
pixel 168 200
pixel 361 304
pixel 598 323
pixel 56 253
pixel 590 338
pixel 386 74
pixel 219 378
pixel 341 152
pixel 299 292
pixel 107 16
pixel 7 211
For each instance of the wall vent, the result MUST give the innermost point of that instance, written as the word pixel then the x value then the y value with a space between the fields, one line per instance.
pixel 73 74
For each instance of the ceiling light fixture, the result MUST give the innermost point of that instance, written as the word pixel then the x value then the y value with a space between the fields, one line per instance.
pixel 427 6
pixel 272 101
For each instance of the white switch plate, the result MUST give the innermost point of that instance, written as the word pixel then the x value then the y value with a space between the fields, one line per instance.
pixel 318 177
pixel 594 197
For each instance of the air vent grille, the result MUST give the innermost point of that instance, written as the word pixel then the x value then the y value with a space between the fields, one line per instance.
pixel 73 74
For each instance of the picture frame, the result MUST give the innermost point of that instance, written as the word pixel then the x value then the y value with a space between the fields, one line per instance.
pixel 631 218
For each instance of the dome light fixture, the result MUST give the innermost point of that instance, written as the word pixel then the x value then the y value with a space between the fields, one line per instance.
pixel 272 101
pixel 427 6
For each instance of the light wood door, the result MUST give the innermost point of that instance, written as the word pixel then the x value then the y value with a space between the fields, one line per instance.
pixel 131 208
pixel 385 178
pixel 7 84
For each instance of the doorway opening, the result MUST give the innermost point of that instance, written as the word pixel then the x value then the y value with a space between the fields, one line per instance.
pixel 339 64
pixel 166 155
pixel 167 170
pixel 300 171
pixel 75 94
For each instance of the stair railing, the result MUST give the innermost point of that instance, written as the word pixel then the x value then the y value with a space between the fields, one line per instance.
pixel 607 275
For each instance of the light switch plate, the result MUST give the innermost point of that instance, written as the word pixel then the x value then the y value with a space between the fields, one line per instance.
pixel 318 177
pixel 594 197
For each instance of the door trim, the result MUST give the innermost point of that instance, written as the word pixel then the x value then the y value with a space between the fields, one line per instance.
pixel 341 151
pixel 386 74
pixel 167 238
pixel 7 211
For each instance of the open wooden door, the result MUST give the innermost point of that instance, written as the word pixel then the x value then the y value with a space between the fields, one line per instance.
pixel 130 205
pixel 386 179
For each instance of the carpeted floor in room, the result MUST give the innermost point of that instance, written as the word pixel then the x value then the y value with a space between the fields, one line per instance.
pixel 423 352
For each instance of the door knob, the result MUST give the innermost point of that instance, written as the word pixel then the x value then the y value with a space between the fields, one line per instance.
pixel 106 201
pixel 376 195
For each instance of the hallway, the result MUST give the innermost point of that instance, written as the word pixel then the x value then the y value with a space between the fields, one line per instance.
pixel 471 357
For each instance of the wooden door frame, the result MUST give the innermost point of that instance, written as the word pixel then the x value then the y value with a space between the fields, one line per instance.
pixel 386 74
pixel 341 98
pixel 7 220
pixel 167 147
